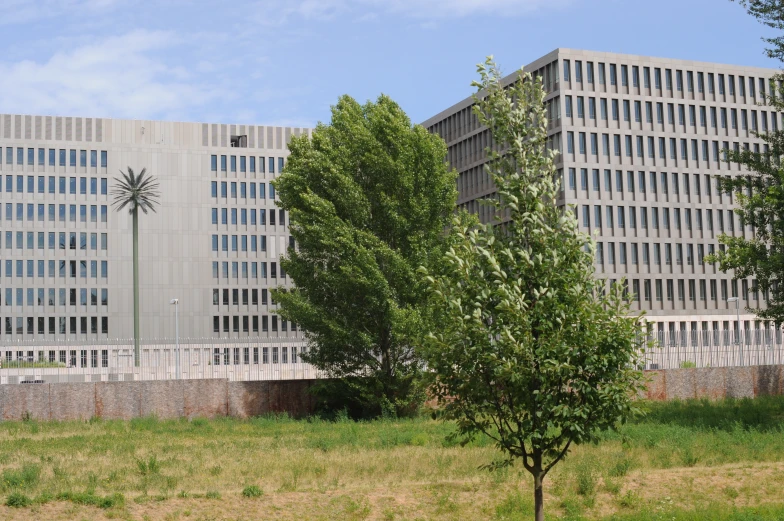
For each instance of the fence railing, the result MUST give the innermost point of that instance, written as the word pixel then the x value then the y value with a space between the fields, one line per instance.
pixel 725 348
pixel 249 359
pixel 254 359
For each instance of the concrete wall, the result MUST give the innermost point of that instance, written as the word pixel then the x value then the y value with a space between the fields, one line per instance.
pixel 164 399
pixel 715 382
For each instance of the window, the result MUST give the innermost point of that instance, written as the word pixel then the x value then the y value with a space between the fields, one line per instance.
pixel 214 166
pixel 104 159
pixel 566 71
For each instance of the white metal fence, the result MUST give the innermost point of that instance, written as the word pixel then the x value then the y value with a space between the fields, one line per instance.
pixel 680 349
pixel 249 359
pixel 253 359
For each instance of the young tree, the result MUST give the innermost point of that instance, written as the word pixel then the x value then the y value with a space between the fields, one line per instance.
pixel 368 196
pixel 529 349
pixel 137 192
pixel 759 192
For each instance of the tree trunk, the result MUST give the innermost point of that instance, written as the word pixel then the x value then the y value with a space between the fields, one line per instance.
pixel 136 350
pixel 538 497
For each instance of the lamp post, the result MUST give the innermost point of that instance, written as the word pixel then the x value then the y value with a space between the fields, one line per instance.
pixel 736 300
pixel 176 303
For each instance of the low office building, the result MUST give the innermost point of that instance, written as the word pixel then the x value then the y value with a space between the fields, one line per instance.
pixel 215 242
pixel 640 142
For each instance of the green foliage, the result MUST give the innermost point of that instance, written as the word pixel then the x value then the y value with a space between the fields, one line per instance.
pixel 24 478
pixel 89 498
pixel 213 494
pixel 771 14
pixel 368 196
pixel 252 491
pixel 149 467
pixel 529 349
pixel 18 500
pixel 759 193
pixel 137 192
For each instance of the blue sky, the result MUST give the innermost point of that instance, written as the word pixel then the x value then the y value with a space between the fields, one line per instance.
pixel 285 62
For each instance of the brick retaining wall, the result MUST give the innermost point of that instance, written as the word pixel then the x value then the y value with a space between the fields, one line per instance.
pixel 715 382
pixel 164 399
pixel 215 397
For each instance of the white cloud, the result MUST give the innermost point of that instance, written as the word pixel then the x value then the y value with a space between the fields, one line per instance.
pixel 457 8
pixel 120 76
pixel 20 11
pixel 277 12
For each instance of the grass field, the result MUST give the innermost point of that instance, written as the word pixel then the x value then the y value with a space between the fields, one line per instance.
pixel 683 461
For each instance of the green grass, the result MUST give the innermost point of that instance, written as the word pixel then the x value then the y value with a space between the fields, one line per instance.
pixel 683 460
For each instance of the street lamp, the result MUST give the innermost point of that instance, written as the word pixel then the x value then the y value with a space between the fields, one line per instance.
pixel 736 300
pixel 176 303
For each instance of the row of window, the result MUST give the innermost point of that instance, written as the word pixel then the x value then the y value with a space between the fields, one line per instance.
pixel 66 357
pixel 697 152
pixel 749 119
pixel 53 154
pixel 250 355
pixel 643 253
pixel 54 296
pixel 246 164
pixel 231 324
pixel 55 212
pixel 707 288
pixel 241 243
pixel 713 81
pixel 240 216
pixel 36 240
pixel 57 325
pixel 616 217
pixel 656 182
pixel 220 270
pixel 61 185
pixel 249 297
pixel 63 268
pixel 246 190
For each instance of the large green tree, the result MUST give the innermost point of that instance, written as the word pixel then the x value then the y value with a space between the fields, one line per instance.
pixel 137 192
pixel 529 348
pixel 759 190
pixel 369 196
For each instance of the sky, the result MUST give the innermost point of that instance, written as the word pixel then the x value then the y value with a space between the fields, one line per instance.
pixel 286 62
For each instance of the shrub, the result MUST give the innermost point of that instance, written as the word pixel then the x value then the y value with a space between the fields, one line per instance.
pixel 18 500
pixel 252 491
pixel 26 477
pixel 213 494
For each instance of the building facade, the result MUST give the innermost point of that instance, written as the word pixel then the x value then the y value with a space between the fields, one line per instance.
pixel 640 143
pixel 214 243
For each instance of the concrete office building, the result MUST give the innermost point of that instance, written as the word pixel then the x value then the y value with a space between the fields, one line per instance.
pixel 640 142
pixel 214 243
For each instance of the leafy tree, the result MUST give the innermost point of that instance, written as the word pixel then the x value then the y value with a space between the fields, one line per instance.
pixel 771 14
pixel 369 196
pixel 759 191
pixel 529 348
pixel 137 192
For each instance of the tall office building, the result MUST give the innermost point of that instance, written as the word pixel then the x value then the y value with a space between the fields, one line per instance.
pixel 640 142
pixel 215 242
